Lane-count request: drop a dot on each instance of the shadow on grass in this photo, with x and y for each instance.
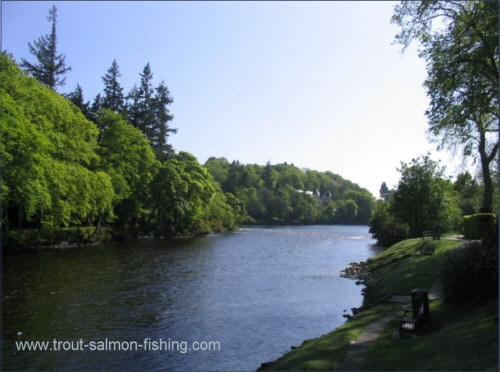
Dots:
(446, 343)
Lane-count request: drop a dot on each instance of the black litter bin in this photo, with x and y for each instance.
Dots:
(420, 296)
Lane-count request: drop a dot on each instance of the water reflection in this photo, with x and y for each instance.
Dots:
(257, 291)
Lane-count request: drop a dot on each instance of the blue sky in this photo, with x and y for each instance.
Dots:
(316, 84)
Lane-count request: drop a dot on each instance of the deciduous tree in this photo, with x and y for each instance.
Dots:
(462, 65)
(424, 199)
(49, 161)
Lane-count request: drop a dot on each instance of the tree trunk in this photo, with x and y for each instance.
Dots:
(488, 185)
(97, 228)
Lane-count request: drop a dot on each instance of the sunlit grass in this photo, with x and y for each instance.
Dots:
(402, 267)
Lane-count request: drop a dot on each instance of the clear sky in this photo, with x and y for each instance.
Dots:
(316, 84)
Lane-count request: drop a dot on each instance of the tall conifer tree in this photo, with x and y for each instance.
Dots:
(148, 112)
(77, 98)
(51, 66)
(113, 92)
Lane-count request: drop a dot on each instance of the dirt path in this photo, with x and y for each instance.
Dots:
(355, 357)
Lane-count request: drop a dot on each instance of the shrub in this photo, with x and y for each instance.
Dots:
(385, 228)
(478, 225)
(470, 275)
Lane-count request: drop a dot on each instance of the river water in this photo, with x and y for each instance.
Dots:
(249, 295)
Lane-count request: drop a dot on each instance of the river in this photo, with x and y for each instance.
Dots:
(249, 295)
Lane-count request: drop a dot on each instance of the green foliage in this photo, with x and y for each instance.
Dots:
(385, 228)
(423, 199)
(222, 213)
(113, 92)
(49, 157)
(148, 111)
(470, 193)
(470, 275)
(346, 210)
(127, 157)
(462, 67)
(364, 205)
(180, 192)
(77, 98)
(477, 226)
(61, 170)
(283, 194)
(218, 168)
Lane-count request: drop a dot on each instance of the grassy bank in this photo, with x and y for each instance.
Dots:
(402, 267)
(454, 339)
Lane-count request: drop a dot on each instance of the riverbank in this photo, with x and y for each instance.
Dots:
(75, 237)
(455, 339)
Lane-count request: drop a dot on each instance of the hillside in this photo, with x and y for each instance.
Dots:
(285, 194)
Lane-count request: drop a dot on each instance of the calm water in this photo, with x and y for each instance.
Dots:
(256, 292)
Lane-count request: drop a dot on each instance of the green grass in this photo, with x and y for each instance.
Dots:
(402, 268)
(325, 352)
(455, 341)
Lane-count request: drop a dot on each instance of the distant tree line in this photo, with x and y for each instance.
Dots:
(285, 194)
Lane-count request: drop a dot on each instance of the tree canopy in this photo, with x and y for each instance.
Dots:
(462, 65)
(60, 169)
(424, 200)
(50, 166)
(285, 194)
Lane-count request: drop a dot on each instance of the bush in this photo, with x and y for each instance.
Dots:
(470, 275)
(478, 225)
(385, 228)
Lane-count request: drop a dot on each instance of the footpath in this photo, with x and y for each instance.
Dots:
(355, 357)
